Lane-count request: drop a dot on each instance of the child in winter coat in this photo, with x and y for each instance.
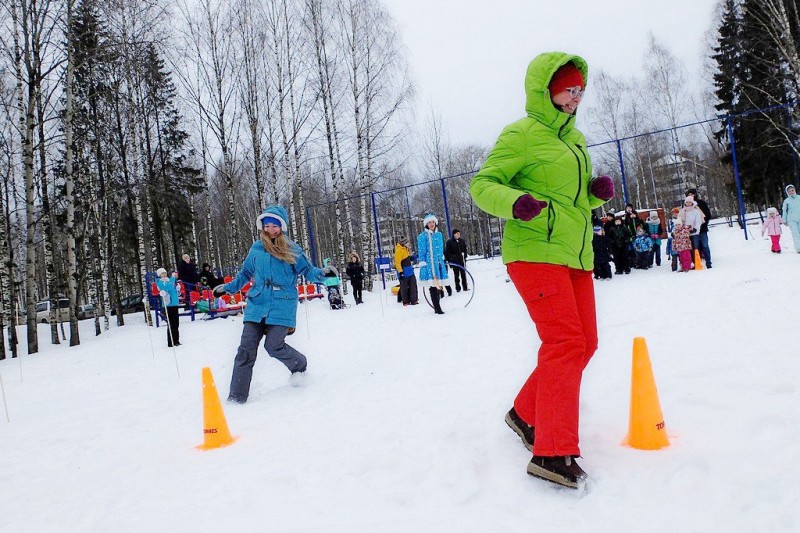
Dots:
(772, 227)
(791, 214)
(405, 272)
(654, 229)
(642, 246)
(602, 254)
(168, 291)
(671, 253)
(694, 218)
(355, 271)
(682, 244)
(274, 264)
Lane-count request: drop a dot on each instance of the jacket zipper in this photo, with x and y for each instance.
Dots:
(577, 192)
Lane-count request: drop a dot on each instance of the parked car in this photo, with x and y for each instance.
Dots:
(130, 304)
(85, 311)
(43, 311)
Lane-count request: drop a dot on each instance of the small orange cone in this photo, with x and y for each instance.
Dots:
(215, 428)
(646, 429)
(698, 265)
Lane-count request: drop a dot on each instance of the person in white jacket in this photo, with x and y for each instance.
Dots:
(694, 218)
(791, 214)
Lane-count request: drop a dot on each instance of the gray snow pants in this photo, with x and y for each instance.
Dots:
(248, 350)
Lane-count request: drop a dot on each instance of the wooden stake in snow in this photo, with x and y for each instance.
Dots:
(19, 354)
(5, 405)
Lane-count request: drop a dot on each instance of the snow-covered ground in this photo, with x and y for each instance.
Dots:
(400, 427)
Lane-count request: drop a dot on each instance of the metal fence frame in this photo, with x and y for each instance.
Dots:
(618, 142)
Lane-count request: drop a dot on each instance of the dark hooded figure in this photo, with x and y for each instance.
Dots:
(455, 251)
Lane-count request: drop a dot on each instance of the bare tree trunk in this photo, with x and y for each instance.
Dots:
(47, 229)
(6, 276)
(252, 43)
(215, 258)
(27, 127)
(72, 260)
(314, 8)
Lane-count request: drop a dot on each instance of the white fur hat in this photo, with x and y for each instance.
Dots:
(161, 272)
(689, 200)
(430, 217)
(772, 211)
(653, 214)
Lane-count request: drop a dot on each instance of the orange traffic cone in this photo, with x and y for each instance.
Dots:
(215, 428)
(646, 430)
(698, 265)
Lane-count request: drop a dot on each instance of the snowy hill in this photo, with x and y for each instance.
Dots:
(400, 427)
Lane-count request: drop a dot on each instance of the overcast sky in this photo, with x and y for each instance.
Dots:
(468, 57)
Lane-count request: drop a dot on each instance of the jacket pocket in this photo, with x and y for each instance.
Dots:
(284, 294)
(255, 291)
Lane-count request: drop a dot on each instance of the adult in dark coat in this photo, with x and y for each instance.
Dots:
(618, 236)
(207, 277)
(705, 251)
(355, 271)
(455, 251)
(632, 223)
(608, 221)
(187, 272)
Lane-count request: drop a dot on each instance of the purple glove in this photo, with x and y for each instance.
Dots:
(527, 207)
(602, 187)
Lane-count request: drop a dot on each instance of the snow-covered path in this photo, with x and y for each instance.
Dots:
(400, 427)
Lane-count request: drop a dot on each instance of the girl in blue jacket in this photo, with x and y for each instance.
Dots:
(433, 269)
(168, 291)
(273, 263)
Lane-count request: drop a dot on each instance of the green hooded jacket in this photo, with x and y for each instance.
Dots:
(545, 155)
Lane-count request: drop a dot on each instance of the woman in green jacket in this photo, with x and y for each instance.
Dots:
(539, 177)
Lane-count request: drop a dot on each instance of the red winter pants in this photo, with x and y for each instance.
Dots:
(561, 303)
(776, 243)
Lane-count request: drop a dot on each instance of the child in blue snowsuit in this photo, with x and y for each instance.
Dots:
(433, 268)
(654, 229)
(642, 246)
(274, 264)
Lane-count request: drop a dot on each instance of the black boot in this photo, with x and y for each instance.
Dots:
(435, 301)
(561, 470)
(449, 290)
(525, 432)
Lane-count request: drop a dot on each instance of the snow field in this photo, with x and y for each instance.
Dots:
(400, 426)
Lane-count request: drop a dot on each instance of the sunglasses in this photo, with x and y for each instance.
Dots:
(575, 92)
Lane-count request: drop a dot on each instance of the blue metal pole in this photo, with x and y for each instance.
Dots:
(622, 169)
(311, 237)
(791, 141)
(736, 176)
(446, 209)
(377, 239)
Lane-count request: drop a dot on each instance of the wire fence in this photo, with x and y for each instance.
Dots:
(650, 170)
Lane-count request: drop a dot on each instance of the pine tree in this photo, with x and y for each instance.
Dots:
(752, 76)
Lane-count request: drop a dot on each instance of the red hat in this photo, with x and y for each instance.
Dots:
(566, 76)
